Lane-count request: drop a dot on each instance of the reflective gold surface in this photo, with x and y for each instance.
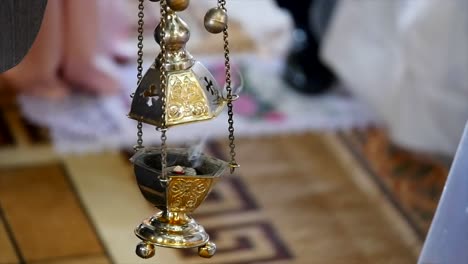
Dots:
(180, 91)
(193, 95)
(177, 34)
(172, 230)
(145, 250)
(186, 101)
(208, 250)
(178, 5)
(185, 194)
(180, 195)
(216, 20)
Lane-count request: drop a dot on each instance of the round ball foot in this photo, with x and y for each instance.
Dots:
(145, 250)
(208, 250)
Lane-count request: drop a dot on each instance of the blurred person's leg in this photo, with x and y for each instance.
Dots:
(82, 50)
(304, 69)
(115, 25)
(37, 73)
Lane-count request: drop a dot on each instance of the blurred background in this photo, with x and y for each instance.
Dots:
(349, 118)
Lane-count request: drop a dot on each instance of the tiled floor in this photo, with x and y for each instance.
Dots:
(7, 249)
(44, 214)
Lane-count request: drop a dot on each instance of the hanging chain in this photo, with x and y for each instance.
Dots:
(141, 23)
(163, 83)
(227, 64)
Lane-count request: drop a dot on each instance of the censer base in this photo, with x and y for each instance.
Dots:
(172, 230)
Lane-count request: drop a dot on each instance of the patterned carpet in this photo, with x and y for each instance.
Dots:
(412, 182)
(309, 198)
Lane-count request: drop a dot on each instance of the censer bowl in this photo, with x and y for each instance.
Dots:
(181, 194)
(147, 167)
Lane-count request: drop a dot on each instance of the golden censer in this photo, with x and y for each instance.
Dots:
(175, 90)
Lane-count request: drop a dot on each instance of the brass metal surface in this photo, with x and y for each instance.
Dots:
(172, 230)
(216, 20)
(189, 94)
(192, 95)
(145, 250)
(180, 195)
(178, 5)
(208, 250)
(176, 36)
(186, 101)
(187, 193)
(177, 90)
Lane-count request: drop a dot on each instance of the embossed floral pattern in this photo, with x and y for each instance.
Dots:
(186, 194)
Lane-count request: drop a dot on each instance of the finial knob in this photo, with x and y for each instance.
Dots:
(177, 33)
(176, 36)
